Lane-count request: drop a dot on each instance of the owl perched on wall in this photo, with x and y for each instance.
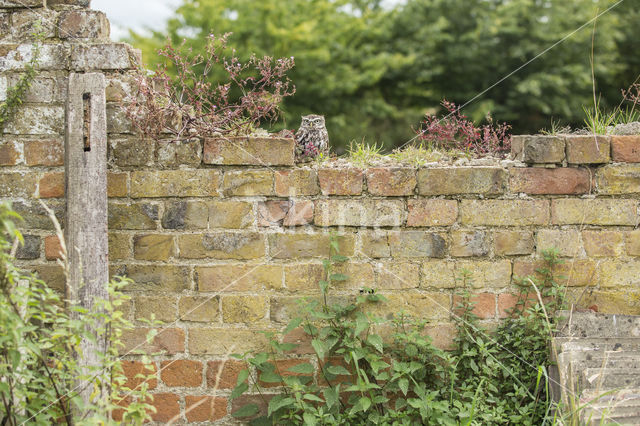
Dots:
(312, 138)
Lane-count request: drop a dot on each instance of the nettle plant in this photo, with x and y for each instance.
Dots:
(40, 362)
(209, 94)
(456, 132)
(356, 377)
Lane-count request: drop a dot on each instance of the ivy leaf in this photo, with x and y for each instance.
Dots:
(246, 411)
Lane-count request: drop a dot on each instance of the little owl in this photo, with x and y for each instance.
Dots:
(312, 138)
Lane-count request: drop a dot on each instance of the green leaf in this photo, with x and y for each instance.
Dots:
(362, 323)
(338, 370)
(270, 377)
(376, 341)
(339, 277)
(279, 401)
(242, 376)
(339, 258)
(312, 397)
(246, 411)
(293, 324)
(309, 419)
(331, 396)
(403, 384)
(305, 368)
(239, 390)
(320, 347)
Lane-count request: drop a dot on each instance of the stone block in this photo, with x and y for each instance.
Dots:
(462, 180)
(185, 215)
(619, 273)
(78, 3)
(205, 408)
(48, 152)
(23, 24)
(10, 4)
(153, 247)
(51, 185)
(153, 278)
(117, 184)
(199, 309)
(504, 212)
(417, 244)
(513, 242)
(341, 181)
(174, 183)
(485, 273)
(222, 245)
(137, 216)
(244, 309)
(567, 242)
(594, 212)
(386, 181)
(230, 214)
(365, 212)
(248, 182)
(220, 341)
(588, 149)
(432, 212)
(291, 246)
(538, 149)
(297, 182)
(397, 276)
(9, 155)
(438, 274)
(53, 276)
(468, 243)
(16, 57)
(35, 217)
(117, 120)
(36, 120)
(618, 179)
(172, 154)
(30, 250)
(239, 278)
(43, 89)
(255, 151)
(541, 181)
(625, 149)
(119, 246)
(126, 152)
(603, 243)
(83, 24)
(632, 243)
(17, 184)
(161, 308)
(107, 56)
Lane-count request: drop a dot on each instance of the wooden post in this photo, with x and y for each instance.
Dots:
(86, 215)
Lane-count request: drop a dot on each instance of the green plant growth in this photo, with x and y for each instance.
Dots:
(358, 378)
(39, 363)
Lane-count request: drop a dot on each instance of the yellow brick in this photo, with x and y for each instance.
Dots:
(163, 308)
(632, 243)
(496, 274)
(619, 179)
(417, 304)
(504, 212)
(153, 247)
(566, 241)
(248, 182)
(225, 341)
(513, 242)
(119, 246)
(222, 245)
(593, 212)
(175, 183)
(287, 246)
(244, 309)
(397, 275)
(617, 274)
(603, 243)
(303, 278)
(235, 278)
(199, 308)
(438, 274)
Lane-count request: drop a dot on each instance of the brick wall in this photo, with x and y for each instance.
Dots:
(223, 236)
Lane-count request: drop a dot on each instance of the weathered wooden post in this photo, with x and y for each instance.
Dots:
(86, 215)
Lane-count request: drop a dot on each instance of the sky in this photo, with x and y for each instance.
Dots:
(135, 14)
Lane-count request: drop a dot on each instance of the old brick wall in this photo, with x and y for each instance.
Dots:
(223, 236)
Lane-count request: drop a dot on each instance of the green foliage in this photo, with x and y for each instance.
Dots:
(39, 342)
(358, 378)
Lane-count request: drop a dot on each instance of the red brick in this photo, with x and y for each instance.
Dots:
(298, 337)
(8, 154)
(341, 181)
(205, 408)
(335, 361)
(132, 369)
(167, 407)
(181, 373)
(391, 181)
(44, 153)
(282, 366)
(538, 181)
(432, 212)
(52, 185)
(52, 248)
(484, 305)
(508, 301)
(300, 213)
(262, 401)
(227, 371)
(626, 148)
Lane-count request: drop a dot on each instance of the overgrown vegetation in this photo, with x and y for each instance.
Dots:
(40, 366)
(358, 378)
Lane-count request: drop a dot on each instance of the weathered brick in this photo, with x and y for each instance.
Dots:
(167, 406)
(572, 273)
(175, 183)
(593, 212)
(155, 277)
(285, 246)
(375, 243)
(609, 302)
(53, 275)
(205, 408)
(511, 243)
(220, 341)
(303, 278)
(301, 339)
(432, 212)
(372, 213)
(51, 185)
(397, 275)
(261, 401)
(36, 120)
(462, 180)
(179, 153)
(153, 247)
(181, 373)
(222, 245)
(21, 3)
(18, 184)
(162, 308)
(632, 243)
(619, 179)
(117, 184)
(566, 241)
(199, 308)
(507, 302)
(486, 274)
(230, 214)
(417, 244)
(80, 3)
(249, 151)
(244, 309)
(538, 180)
(132, 216)
(108, 56)
(248, 182)
(538, 149)
(341, 181)
(8, 153)
(224, 374)
(52, 248)
(91, 24)
(297, 182)
(117, 120)
(442, 335)
(484, 305)
(119, 246)
(185, 215)
(438, 274)
(24, 24)
(167, 340)
(232, 278)
(300, 213)
(284, 309)
(588, 149)
(468, 243)
(618, 273)
(30, 249)
(133, 370)
(603, 243)
(391, 181)
(53, 56)
(504, 212)
(417, 304)
(625, 148)
(34, 215)
(131, 151)
(44, 152)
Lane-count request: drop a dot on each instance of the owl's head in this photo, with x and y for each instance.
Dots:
(315, 121)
